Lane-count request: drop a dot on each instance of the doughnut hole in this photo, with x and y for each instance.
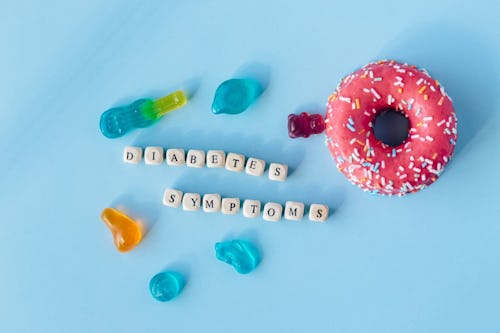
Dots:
(391, 127)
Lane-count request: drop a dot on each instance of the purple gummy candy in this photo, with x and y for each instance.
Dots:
(304, 124)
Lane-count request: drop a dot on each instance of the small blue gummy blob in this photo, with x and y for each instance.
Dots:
(240, 254)
(236, 95)
(165, 286)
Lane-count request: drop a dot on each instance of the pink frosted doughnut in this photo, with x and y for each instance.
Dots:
(373, 165)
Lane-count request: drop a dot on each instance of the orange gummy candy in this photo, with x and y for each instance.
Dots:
(126, 232)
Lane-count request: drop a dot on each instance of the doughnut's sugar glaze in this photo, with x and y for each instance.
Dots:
(368, 162)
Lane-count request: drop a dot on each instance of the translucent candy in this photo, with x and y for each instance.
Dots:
(305, 124)
(166, 285)
(236, 95)
(240, 254)
(126, 232)
(118, 121)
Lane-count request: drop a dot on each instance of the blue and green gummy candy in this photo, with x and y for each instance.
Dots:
(118, 121)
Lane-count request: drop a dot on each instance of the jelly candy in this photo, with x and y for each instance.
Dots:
(126, 232)
(144, 112)
(240, 254)
(236, 95)
(305, 124)
(165, 286)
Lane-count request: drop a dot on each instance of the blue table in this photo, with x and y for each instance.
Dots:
(428, 262)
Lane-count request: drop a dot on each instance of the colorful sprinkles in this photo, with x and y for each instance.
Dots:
(371, 164)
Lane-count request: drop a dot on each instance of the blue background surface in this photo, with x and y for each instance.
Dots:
(428, 262)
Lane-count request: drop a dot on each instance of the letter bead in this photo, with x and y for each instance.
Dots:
(216, 159)
(132, 155)
(294, 211)
(272, 212)
(176, 157)
(278, 172)
(172, 198)
(318, 213)
(251, 208)
(153, 155)
(191, 201)
(255, 167)
(211, 203)
(195, 158)
(235, 162)
(230, 206)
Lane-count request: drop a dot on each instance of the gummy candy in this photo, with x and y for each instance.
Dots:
(236, 95)
(144, 112)
(305, 124)
(240, 254)
(126, 232)
(165, 286)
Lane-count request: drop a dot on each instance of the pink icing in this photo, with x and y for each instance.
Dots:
(369, 163)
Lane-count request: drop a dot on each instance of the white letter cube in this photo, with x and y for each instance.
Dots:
(195, 158)
(132, 155)
(235, 162)
(230, 206)
(272, 212)
(318, 213)
(172, 198)
(294, 211)
(191, 201)
(251, 208)
(153, 155)
(211, 203)
(216, 159)
(278, 172)
(255, 167)
(176, 157)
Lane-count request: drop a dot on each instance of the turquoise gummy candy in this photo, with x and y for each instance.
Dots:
(118, 121)
(236, 95)
(144, 112)
(166, 285)
(242, 255)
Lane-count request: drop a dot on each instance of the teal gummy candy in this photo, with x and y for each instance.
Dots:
(240, 254)
(118, 121)
(236, 95)
(165, 286)
(144, 112)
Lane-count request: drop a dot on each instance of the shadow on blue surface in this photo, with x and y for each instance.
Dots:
(262, 189)
(145, 212)
(189, 86)
(255, 70)
(255, 146)
(311, 108)
(462, 62)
